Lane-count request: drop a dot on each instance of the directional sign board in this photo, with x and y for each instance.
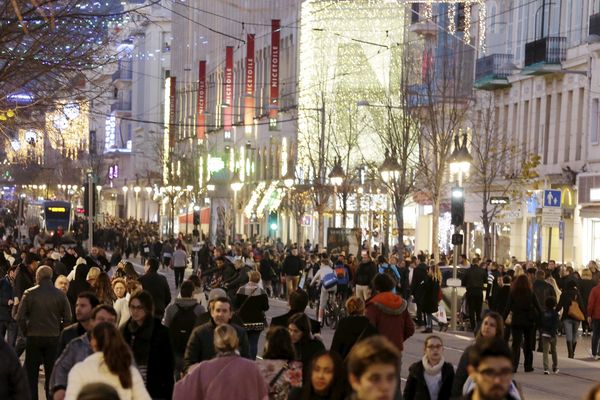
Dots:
(552, 198)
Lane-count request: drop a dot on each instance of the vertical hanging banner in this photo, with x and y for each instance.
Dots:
(228, 93)
(249, 95)
(274, 98)
(172, 111)
(201, 102)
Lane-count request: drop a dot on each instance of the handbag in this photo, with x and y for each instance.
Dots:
(575, 312)
(508, 320)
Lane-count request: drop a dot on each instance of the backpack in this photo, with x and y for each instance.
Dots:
(341, 273)
(181, 327)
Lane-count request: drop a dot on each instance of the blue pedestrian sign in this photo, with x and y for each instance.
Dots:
(552, 198)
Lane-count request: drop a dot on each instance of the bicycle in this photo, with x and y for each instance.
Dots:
(334, 310)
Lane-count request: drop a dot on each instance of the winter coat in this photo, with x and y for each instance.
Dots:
(212, 379)
(566, 297)
(542, 290)
(550, 323)
(159, 289)
(416, 386)
(251, 302)
(282, 320)
(200, 346)
(23, 280)
(499, 299)
(292, 265)
(349, 330)
(585, 288)
(6, 294)
(526, 311)
(593, 304)
(416, 285)
(13, 380)
(43, 310)
(71, 332)
(431, 295)
(94, 370)
(76, 351)
(365, 273)
(388, 313)
(151, 346)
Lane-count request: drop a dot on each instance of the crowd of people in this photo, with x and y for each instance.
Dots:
(97, 325)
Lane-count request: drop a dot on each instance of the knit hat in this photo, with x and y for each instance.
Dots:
(215, 294)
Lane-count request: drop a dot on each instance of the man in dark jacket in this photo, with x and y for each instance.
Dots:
(365, 273)
(419, 275)
(157, 286)
(292, 268)
(475, 280)
(25, 275)
(41, 314)
(86, 301)
(13, 381)
(200, 346)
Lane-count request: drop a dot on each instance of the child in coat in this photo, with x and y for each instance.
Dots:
(550, 325)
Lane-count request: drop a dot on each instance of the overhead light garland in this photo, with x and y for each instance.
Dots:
(68, 128)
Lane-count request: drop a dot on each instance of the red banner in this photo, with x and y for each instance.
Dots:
(201, 102)
(228, 93)
(172, 111)
(249, 95)
(274, 100)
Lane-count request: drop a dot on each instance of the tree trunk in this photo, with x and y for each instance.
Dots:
(299, 237)
(400, 222)
(487, 237)
(320, 225)
(435, 229)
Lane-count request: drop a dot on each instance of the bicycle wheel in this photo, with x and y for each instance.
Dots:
(329, 315)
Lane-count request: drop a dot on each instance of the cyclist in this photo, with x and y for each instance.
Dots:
(328, 279)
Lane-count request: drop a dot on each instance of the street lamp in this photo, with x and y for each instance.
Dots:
(136, 190)
(390, 172)
(460, 163)
(289, 178)
(236, 185)
(336, 177)
(99, 189)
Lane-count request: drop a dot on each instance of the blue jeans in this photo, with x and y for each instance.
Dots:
(571, 328)
(253, 337)
(430, 318)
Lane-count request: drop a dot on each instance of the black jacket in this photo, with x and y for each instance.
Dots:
(43, 310)
(13, 380)
(200, 345)
(499, 299)
(6, 294)
(365, 273)
(160, 362)
(526, 310)
(416, 387)
(431, 290)
(566, 297)
(542, 290)
(418, 278)
(292, 265)
(475, 277)
(349, 331)
(71, 332)
(159, 289)
(23, 280)
(252, 308)
(282, 320)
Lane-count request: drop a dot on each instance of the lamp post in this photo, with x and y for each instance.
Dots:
(336, 177)
(390, 172)
(460, 163)
(136, 190)
(99, 189)
(236, 185)
(125, 190)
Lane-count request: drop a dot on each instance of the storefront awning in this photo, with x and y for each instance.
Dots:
(189, 218)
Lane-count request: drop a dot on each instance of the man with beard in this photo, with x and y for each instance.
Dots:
(491, 370)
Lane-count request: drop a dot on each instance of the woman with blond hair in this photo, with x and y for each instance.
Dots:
(353, 328)
(431, 297)
(209, 379)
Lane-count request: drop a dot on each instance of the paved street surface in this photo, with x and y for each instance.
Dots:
(576, 376)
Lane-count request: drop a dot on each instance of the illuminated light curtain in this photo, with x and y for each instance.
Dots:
(67, 128)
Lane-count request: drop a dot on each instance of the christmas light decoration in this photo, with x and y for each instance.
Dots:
(27, 147)
(67, 128)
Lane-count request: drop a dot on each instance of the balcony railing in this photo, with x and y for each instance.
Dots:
(122, 74)
(548, 50)
(120, 105)
(595, 24)
(494, 66)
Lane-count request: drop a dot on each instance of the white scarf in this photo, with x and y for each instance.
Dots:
(432, 370)
(433, 377)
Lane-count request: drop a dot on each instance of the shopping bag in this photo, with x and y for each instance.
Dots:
(441, 314)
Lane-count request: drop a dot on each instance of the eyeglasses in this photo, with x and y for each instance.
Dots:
(491, 373)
